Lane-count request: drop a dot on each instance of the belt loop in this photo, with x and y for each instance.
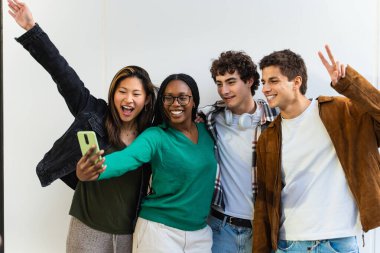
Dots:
(224, 221)
(316, 243)
(363, 238)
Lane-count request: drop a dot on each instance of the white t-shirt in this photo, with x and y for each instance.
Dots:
(316, 200)
(235, 149)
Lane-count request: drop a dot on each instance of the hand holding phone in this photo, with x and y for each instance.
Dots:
(87, 139)
(87, 168)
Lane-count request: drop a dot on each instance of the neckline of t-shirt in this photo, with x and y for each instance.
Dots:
(302, 115)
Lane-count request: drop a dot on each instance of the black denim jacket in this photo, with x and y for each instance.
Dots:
(89, 112)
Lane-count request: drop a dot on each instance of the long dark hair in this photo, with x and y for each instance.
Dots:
(159, 114)
(144, 119)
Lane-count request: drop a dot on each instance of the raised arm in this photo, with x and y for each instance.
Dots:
(36, 41)
(351, 84)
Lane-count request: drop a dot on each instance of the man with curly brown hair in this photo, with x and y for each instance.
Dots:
(235, 122)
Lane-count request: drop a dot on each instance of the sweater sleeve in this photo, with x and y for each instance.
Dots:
(141, 151)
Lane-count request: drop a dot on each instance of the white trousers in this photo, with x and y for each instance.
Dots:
(153, 237)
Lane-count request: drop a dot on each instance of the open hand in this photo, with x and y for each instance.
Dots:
(21, 13)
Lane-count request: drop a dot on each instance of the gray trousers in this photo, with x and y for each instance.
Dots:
(83, 239)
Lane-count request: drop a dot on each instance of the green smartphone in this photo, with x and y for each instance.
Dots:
(87, 139)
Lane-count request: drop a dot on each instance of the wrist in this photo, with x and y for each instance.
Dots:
(29, 26)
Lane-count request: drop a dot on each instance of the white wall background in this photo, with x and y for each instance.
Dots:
(167, 36)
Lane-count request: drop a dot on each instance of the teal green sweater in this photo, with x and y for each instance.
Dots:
(183, 175)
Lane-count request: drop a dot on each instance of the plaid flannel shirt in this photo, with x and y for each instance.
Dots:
(209, 113)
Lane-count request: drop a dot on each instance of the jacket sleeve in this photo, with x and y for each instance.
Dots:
(363, 94)
(69, 85)
(261, 225)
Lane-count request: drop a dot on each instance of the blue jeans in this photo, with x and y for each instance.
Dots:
(229, 238)
(338, 245)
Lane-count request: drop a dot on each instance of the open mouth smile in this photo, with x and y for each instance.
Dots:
(127, 110)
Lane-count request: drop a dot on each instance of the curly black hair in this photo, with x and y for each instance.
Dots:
(231, 61)
(291, 65)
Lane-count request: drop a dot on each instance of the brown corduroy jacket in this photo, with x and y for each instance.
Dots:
(353, 124)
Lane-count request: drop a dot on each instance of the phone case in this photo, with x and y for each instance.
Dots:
(86, 140)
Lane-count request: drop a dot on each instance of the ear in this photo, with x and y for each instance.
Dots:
(147, 100)
(297, 83)
(249, 82)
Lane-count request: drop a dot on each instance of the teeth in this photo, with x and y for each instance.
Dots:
(127, 107)
(176, 112)
(270, 97)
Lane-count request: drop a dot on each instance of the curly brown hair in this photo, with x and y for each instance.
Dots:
(231, 61)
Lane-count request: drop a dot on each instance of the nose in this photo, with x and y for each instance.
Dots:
(224, 89)
(175, 101)
(128, 98)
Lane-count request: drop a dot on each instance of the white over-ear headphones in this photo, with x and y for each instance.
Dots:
(245, 120)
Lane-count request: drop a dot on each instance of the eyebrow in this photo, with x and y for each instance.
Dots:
(273, 78)
(227, 80)
(179, 94)
(231, 79)
(120, 87)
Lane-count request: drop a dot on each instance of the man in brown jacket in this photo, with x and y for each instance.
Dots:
(318, 162)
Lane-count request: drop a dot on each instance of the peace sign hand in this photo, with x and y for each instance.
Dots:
(335, 68)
